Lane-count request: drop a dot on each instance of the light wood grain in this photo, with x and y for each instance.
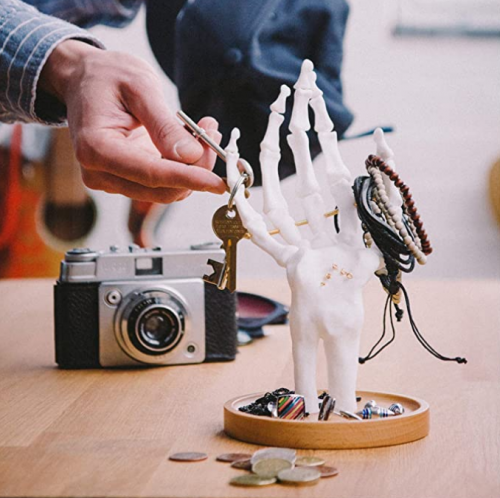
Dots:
(109, 432)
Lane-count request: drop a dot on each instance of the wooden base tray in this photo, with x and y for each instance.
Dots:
(337, 432)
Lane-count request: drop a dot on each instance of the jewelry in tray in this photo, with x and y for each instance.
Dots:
(286, 405)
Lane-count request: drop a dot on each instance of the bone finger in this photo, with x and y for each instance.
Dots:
(307, 185)
(386, 154)
(275, 206)
(232, 155)
(246, 211)
(300, 112)
(336, 170)
(383, 150)
(322, 121)
(338, 175)
(279, 105)
(250, 218)
(304, 80)
(273, 198)
(340, 182)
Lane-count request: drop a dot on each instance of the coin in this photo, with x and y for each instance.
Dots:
(309, 461)
(267, 453)
(327, 471)
(188, 457)
(299, 476)
(252, 480)
(232, 457)
(270, 467)
(242, 464)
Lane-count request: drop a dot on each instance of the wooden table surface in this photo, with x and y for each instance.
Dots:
(109, 432)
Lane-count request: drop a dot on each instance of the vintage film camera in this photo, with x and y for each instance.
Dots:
(141, 307)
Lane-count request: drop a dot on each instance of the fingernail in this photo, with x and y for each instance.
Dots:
(187, 148)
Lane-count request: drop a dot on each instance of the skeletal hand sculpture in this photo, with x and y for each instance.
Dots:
(326, 273)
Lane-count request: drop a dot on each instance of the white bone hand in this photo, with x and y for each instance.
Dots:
(326, 272)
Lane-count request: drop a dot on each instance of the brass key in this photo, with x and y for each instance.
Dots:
(228, 227)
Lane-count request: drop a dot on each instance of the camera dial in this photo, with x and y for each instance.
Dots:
(151, 324)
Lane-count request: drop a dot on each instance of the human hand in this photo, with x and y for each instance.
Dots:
(125, 137)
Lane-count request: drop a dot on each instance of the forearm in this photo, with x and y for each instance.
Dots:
(27, 39)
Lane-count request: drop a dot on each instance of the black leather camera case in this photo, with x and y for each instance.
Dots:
(76, 316)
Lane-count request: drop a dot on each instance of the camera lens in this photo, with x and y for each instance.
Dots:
(158, 328)
(155, 324)
(152, 323)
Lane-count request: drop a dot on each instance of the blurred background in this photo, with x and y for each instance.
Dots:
(429, 68)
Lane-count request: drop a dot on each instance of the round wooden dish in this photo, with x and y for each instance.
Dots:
(337, 432)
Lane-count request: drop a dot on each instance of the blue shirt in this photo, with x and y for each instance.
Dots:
(28, 35)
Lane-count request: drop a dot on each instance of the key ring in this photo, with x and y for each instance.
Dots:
(241, 180)
(199, 133)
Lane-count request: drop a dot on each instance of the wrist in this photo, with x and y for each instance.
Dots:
(61, 66)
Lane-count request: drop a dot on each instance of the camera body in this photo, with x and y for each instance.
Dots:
(141, 307)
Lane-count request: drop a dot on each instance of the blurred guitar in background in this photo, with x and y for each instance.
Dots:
(44, 207)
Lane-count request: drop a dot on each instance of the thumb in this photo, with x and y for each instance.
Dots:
(169, 136)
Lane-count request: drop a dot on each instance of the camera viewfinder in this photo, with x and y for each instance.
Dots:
(148, 266)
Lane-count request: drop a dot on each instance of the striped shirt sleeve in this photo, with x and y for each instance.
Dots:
(27, 38)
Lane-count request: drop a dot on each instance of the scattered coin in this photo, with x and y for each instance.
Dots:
(270, 467)
(233, 457)
(281, 453)
(188, 457)
(327, 471)
(299, 476)
(242, 464)
(309, 461)
(252, 480)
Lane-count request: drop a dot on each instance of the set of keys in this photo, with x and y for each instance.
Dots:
(228, 227)
(226, 221)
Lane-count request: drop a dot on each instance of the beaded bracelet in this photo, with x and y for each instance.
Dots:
(376, 164)
(393, 217)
